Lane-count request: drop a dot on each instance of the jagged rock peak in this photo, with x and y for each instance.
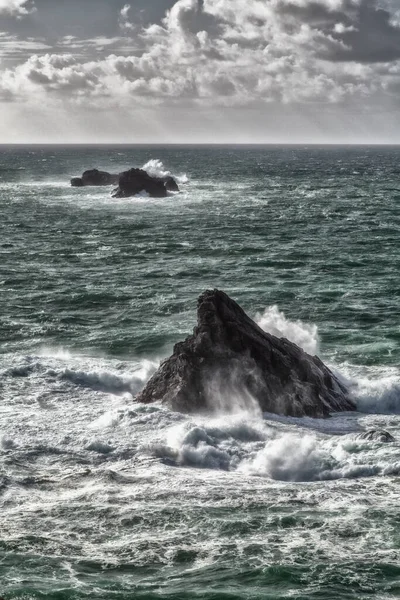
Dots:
(229, 362)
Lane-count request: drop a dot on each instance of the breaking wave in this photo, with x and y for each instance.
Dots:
(304, 335)
(156, 168)
(260, 448)
(375, 390)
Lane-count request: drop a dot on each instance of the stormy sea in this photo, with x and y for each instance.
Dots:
(102, 497)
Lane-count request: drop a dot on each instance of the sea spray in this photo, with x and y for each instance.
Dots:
(304, 335)
(156, 168)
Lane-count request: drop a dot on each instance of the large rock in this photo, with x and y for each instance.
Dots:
(137, 181)
(130, 183)
(229, 362)
(95, 177)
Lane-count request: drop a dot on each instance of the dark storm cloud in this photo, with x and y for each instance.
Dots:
(82, 18)
(365, 29)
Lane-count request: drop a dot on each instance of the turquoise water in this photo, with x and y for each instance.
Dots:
(95, 291)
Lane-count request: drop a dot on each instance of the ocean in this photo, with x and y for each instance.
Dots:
(94, 293)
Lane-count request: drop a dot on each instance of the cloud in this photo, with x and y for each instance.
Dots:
(13, 47)
(124, 21)
(16, 8)
(206, 54)
(365, 30)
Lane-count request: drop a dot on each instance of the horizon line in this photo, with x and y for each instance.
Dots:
(327, 144)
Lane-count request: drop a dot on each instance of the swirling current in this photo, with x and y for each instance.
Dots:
(104, 498)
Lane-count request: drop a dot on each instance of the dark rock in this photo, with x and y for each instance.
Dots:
(230, 362)
(95, 177)
(376, 435)
(136, 181)
(130, 182)
(77, 182)
(170, 184)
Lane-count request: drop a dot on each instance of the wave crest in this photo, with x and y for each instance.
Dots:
(155, 167)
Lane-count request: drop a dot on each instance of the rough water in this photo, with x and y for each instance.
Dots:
(103, 498)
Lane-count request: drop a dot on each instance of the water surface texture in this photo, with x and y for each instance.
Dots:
(102, 498)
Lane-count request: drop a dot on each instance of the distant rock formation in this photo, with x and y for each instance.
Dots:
(376, 435)
(130, 183)
(230, 357)
(77, 182)
(95, 177)
(137, 181)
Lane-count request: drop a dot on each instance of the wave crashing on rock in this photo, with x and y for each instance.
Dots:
(230, 363)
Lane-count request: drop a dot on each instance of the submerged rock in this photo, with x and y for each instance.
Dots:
(230, 362)
(376, 435)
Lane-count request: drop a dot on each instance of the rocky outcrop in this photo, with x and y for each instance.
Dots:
(130, 183)
(95, 177)
(230, 360)
(77, 182)
(170, 183)
(137, 181)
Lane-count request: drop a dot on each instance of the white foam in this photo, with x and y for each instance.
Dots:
(288, 458)
(304, 335)
(378, 392)
(218, 443)
(156, 168)
(106, 420)
(57, 353)
(291, 457)
(274, 450)
(108, 381)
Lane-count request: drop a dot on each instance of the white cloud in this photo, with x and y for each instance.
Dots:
(124, 21)
(13, 47)
(247, 53)
(16, 7)
(232, 54)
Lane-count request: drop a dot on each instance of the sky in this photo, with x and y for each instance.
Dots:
(200, 71)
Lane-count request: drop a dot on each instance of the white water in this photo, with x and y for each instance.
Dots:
(93, 399)
(302, 334)
(89, 475)
(156, 168)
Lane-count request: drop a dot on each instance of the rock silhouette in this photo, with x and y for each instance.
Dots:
(137, 181)
(130, 183)
(95, 177)
(230, 361)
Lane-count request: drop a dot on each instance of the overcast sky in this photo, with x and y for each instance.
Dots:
(200, 71)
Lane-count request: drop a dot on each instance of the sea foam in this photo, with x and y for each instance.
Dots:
(156, 168)
(302, 334)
